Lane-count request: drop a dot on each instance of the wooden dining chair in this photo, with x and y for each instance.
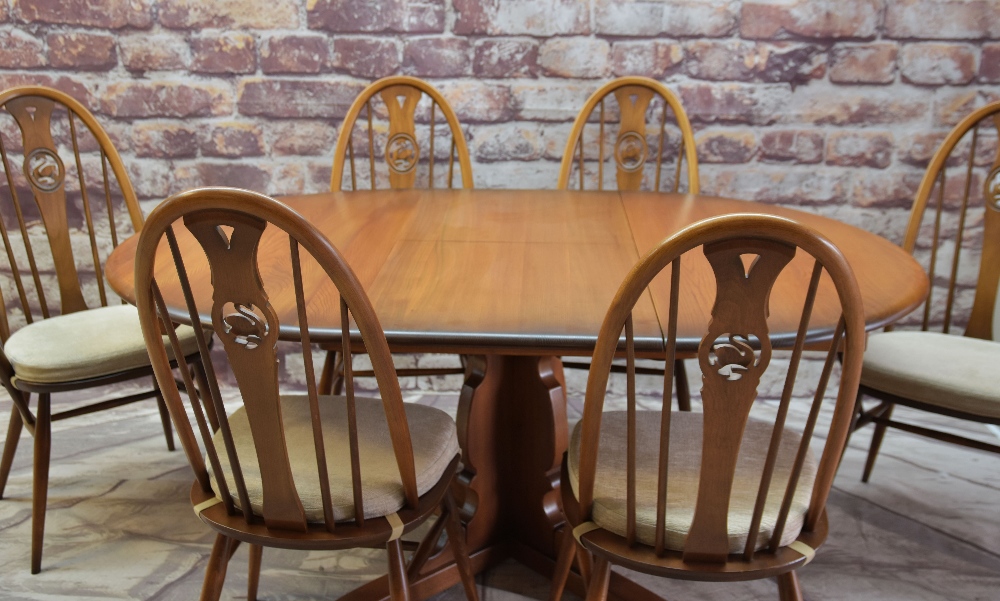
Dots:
(67, 202)
(731, 493)
(934, 369)
(289, 470)
(632, 115)
(402, 138)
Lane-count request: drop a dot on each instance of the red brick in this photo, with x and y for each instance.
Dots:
(864, 63)
(859, 149)
(294, 54)
(872, 106)
(359, 16)
(522, 17)
(83, 51)
(808, 18)
(884, 189)
(795, 146)
(367, 57)
(296, 138)
(779, 185)
(62, 83)
(989, 65)
(700, 18)
(951, 106)
(437, 57)
(296, 98)
(518, 142)
(108, 14)
(612, 17)
(228, 52)
(935, 63)
(942, 19)
(744, 61)
(553, 100)
(164, 140)
(226, 14)
(21, 50)
(152, 178)
(4, 13)
(759, 104)
(651, 58)
(726, 146)
(917, 149)
(506, 57)
(476, 101)
(239, 175)
(165, 99)
(575, 57)
(157, 52)
(234, 139)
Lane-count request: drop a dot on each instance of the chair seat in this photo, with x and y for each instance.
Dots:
(82, 345)
(435, 444)
(682, 484)
(944, 370)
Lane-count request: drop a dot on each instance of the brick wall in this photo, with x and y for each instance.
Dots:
(833, 104)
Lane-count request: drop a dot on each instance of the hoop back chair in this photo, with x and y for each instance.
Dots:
(721, 495)
(932, 369)
(62, 331)
(402, 131)
(631, 122)
(300, 471)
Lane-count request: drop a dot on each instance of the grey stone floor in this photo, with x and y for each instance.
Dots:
(120, 526)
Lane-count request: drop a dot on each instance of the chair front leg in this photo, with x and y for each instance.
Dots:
(877, 437)
(599, 581)
(218, 562)
(10, 446)
(567, 553)
(788, 587)
(40, 486)
(456, 536)
(253, 572)
(399, 588)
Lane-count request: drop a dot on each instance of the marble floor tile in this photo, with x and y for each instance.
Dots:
(120, 526)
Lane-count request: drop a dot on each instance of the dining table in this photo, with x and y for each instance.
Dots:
(513, 280)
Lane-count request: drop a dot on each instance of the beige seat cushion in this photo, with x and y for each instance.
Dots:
(435, 444)
(944, 370)
(85, 344)
(682, 484)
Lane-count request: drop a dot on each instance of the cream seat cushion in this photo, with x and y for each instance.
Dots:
(954, 372)
(682, 483)
(85, 344)
(435, 444)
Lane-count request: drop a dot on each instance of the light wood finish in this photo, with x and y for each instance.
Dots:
(633, 96)
(962, 152)
(402, 154)
(747, 253)
(60, 139)
(512, 278)
(630, 116)
(227, 225)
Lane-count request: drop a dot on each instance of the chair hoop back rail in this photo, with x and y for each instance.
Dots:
(634, 98)
(262, 440)
(747, 253)
(402, 151)
(943, 210)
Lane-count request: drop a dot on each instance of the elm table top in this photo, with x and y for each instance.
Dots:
(531, 272)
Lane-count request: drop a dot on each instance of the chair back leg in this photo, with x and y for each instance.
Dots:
(877, 437)
(456, 536)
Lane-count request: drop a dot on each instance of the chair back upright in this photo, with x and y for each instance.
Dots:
(942, 230)
(229, 226)
(632, 131)
(62, 177)
(401, 127)
(746, 253)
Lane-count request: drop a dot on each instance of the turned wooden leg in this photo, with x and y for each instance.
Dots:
(40, 487)
(10, 446)
(456, 536)
(599, 581)
(399, 588)
(205, 394)
(567, 552)
(877, 437)
(788, 587)
(253, 573)
(683, 390)
(327, 374)
(215, 572)
(168, 430)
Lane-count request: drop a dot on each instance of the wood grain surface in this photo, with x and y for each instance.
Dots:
(533, 272)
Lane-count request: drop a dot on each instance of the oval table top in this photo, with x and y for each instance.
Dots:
(529, 272)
